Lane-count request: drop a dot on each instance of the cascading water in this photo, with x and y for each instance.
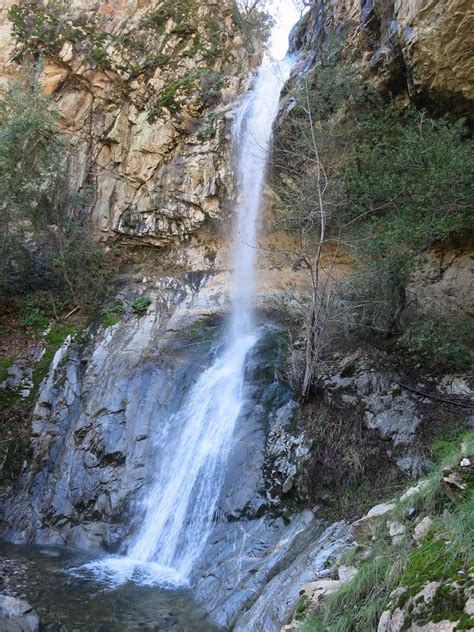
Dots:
(182, 501)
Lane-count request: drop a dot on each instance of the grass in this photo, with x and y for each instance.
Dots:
(446, 555)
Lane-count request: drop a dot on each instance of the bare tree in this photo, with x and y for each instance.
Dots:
(304, 162)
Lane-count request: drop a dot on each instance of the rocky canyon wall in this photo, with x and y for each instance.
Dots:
(142, 90)
(421, 48)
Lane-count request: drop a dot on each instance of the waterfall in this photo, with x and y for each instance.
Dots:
(182, 501)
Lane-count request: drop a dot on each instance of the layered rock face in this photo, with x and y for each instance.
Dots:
(418, 47)
(142, 91)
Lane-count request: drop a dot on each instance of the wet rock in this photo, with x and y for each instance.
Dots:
(17, 615)
(285, 455)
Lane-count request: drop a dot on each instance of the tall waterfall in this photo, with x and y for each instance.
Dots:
(180, 506)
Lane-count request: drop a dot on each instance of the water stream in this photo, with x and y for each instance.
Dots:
(179, 507)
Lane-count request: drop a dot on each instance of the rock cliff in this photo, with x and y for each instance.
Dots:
(142, 91)
(419, 48)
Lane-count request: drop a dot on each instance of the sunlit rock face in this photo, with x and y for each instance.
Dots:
(418, 47)
(143, 90)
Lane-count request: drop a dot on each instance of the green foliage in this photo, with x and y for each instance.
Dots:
(442, 344)
(409, 184)
(112, 313)
(29, 163)
(140, 305)
(172, 30)
(254, 22)
(44, 248)
(203, 82)
(34, 318)
(301, 608)
(392, 182)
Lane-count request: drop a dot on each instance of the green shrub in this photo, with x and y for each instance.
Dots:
(442, 344)
(45, 250)
(393, 181)
(34, 318)
(140, 305)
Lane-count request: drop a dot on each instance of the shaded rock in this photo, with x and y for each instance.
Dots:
(17, 615)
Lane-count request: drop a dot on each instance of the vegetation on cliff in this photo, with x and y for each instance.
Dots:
(377, 178)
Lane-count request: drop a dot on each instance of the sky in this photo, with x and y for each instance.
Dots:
(286, 15)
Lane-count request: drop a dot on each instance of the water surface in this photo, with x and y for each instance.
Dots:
(67, 603)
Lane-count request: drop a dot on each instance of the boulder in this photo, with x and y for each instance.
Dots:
(422, 529)
(317, 592)
(365, 526)
(17, 615)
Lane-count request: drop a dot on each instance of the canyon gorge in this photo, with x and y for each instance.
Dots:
(170, 471)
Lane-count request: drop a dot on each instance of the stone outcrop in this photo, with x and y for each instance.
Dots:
(142, 91)
(417, 613)
(16, 615)
(420, 48)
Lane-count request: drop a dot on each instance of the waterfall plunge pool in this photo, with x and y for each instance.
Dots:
(68, 603)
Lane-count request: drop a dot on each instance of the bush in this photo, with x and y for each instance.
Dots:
(140, 305)
(440, 344)
(391, 182)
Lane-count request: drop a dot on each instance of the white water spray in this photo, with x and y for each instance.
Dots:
(180, 506)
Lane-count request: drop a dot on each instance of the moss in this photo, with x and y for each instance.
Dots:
(53, 341)
(112, 313)
(5, 364)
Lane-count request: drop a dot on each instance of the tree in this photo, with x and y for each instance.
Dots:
(43, 243)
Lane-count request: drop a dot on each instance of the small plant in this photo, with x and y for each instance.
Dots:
(112, 313)
(34, 318)
(140, 305)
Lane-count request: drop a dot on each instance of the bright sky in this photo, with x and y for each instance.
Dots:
(286, 16)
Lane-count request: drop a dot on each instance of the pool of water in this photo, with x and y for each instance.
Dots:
(68, 602)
